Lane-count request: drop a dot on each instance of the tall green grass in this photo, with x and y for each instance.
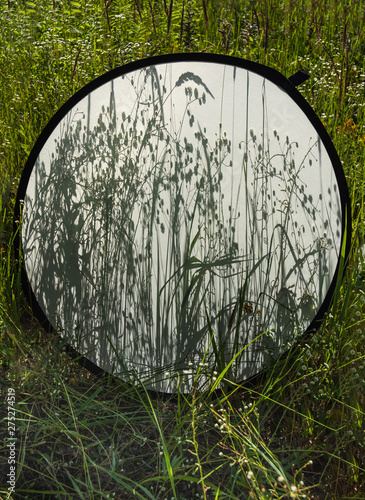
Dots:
(299, 432)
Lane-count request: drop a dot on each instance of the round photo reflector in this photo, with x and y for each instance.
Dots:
(182, 212)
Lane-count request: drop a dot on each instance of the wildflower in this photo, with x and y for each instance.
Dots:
(281, 479)
(249, 474)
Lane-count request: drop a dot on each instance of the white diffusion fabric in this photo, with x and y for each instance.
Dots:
(179, 210)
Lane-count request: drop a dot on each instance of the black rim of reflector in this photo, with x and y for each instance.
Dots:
(265, 72)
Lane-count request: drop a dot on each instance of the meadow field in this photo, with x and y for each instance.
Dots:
(299, 431)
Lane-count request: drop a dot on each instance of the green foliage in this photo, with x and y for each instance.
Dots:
(298, 433)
